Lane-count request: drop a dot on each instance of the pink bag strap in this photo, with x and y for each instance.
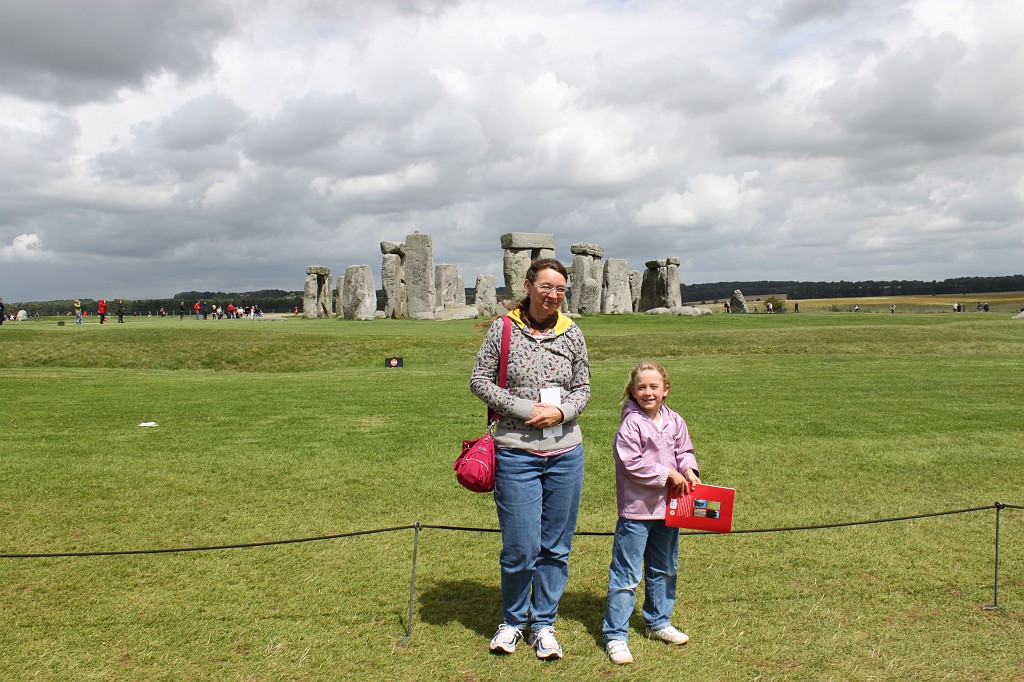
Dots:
(506, 340)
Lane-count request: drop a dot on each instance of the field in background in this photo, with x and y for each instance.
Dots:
(999, 302)
(292, 429)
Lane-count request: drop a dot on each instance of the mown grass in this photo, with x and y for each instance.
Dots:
(274, 430)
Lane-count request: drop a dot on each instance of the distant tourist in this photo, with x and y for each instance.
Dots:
(1, 311)
(892, 307)
(120, 311)
(78, 311)
(102, 310)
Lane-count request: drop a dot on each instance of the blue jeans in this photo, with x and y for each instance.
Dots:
(538, 499)
(656, 547)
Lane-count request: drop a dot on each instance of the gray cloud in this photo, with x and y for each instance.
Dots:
(227, 145)
(68, 52)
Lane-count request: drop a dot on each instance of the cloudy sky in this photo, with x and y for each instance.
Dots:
(156, 146)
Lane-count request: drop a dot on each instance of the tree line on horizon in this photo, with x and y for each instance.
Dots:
(279, 300)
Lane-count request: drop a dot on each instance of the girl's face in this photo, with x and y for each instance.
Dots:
(649, 391)
(546, 293)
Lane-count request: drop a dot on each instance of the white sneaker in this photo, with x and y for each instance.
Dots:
(618, 651)
(544, 642)
(668, 634)
(504, 640)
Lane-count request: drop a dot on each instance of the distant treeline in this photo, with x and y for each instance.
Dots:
(277, 300)
(843, 289)
(267, 300)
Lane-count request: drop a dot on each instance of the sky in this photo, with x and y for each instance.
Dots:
(157, 146)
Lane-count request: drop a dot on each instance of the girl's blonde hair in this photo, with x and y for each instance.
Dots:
(644, 366)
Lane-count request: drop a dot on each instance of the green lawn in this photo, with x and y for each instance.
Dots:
(293, 429)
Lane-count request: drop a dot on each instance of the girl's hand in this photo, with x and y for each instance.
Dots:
(691, 480)
(544, 416)
(676, 483)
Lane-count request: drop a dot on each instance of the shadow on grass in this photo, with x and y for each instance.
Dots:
(477, 607)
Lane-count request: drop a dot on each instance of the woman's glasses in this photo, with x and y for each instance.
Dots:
(548, 289)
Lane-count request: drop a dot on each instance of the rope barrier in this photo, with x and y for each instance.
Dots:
(268, 543)
(418, 526)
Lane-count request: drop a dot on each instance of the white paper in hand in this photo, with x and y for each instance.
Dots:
(552, 396)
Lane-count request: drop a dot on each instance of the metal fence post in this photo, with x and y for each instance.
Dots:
(995, 586)
(412, 581)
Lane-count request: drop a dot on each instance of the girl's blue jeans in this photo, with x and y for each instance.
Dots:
(641, 548)
(538, 499)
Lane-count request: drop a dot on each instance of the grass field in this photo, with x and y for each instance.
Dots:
(294, 429)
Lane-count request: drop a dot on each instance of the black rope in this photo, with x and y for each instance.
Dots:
(418, 525)
(841, 524)
(48, 555)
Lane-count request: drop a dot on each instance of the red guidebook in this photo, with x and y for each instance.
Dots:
(708, 507)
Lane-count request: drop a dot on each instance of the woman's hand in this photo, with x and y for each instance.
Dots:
(544, 416)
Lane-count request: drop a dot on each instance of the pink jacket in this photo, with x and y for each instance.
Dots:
(644, 454)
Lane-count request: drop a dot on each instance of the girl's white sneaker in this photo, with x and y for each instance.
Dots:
(618, 652)
(668, 634)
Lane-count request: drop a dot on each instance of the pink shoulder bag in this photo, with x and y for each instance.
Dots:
(474, 468)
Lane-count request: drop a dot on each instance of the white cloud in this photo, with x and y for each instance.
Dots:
(173, 143)
(25, 248)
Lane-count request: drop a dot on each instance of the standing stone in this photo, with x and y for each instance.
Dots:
(460, 295)
(419, 276)
(316, 294)
(616, 297)
(675, 292)
(339, 297)
(514, 267)
(309, 295)
(590, 299)
(586, 267)
(660, 285)
(391, 283)
(486, 296)
(737, 303)
(521, 249)
(393, 280)
(446, 286)
(360, 302)
(654, 288)
(635, 279)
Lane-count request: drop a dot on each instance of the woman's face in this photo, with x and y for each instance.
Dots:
(546, 293)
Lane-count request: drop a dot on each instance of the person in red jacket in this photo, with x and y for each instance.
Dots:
(102, 310)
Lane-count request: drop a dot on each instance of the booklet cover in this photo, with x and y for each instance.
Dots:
(708, 507)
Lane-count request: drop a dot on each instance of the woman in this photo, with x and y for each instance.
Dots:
(539, 459)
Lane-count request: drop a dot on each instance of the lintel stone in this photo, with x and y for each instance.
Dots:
(585, 249)
(397, 248)
(527, 240)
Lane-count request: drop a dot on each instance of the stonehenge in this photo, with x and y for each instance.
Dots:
(521, 249)
(616, 295)
(419, 276)
(659, 287)
(360, 294)
(316, 296)
(414, 288)
(586, 277)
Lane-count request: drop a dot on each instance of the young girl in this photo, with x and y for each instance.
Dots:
(653, 454)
